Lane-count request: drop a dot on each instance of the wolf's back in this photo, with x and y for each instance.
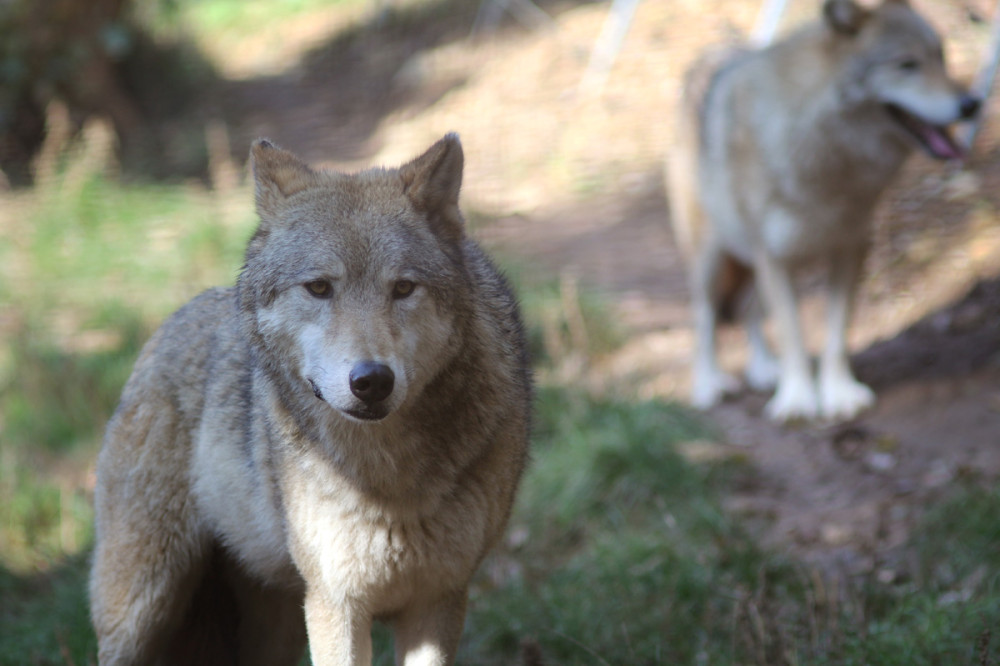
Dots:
(190, 342)
(182, 356)
(684, 159)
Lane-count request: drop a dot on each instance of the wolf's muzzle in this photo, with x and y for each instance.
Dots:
(372, 381)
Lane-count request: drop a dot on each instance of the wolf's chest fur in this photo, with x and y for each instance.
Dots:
(378, 547)
(378, 550)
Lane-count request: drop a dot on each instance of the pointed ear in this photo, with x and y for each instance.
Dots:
(277, 174)
(432, 182)
(845, 17)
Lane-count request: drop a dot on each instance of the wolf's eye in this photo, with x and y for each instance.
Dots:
(909, 64)
(403, 288)
(319, 288)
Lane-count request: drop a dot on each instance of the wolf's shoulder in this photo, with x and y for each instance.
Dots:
(182, 351)
(209, 315)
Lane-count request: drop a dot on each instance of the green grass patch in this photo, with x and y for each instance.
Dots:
(564, 320)
(44, 619)
(940, 610)
(90, 248)
(246, 16)
(88, 269)
(61, 399)
(673, 580)
(626, 554)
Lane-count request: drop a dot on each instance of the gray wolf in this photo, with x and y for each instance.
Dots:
(780, 158)
(343, 431)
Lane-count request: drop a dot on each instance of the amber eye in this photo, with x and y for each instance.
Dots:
(403, 288)
(319, 288)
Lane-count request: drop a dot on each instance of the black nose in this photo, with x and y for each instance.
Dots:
(372, 381)
(969, 106)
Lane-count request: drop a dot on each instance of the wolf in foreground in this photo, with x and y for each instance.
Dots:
(344, 429)
(780, 158)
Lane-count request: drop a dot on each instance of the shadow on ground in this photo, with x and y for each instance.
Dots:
(330, 105)
(959, 340)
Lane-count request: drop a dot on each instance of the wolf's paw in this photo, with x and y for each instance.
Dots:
(762, 372)
(844, 397)
(794, 400)
(711, 387)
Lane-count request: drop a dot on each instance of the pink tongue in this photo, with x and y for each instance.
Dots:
(940, 144)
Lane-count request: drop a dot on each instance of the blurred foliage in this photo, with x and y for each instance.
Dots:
(98, 58)
(88, 268)
(44, 619)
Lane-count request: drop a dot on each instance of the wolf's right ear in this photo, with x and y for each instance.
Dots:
(845, 16)
(432, 182)
(277, 174)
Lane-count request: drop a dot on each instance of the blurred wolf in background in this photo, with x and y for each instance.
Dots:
(343, 430)
(780, 158)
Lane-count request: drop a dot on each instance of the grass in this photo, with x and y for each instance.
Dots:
(567, 324)
(246, 16)
(89, 269)
(44, 618)
(622, 560)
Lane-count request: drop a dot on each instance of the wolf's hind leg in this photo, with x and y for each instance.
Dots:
(796, 396)
(234, 620)
(150, 553)
(710, 295)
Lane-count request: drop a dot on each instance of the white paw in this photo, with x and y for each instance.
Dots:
(794, 399)
(844, 397)
(711, 387)
(762, 372)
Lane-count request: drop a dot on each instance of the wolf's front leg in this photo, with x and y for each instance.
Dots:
(339, 635)
(841, 395)
(428, 634)
(151, 551)
(796, 395)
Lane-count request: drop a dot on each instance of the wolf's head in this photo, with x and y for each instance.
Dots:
(898, 63)
(353, 284)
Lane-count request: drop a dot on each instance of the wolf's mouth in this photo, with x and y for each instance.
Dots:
(368, 413)
(935, 139)
(315, 390)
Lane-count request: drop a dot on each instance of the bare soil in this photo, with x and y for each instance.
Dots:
(569, 181)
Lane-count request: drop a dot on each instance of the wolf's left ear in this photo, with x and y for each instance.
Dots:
(277, 174)
(432, 182)
(844, 16)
